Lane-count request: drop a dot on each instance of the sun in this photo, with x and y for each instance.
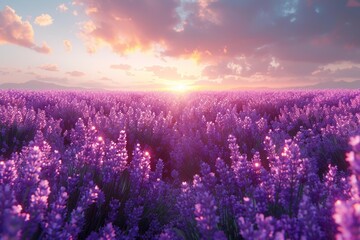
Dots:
(180, 88)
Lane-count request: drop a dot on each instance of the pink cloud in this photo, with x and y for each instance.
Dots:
(168, 73)
(67, 45)
(3, 72)
(338, 70)
(7, 71)
(128, 25)
(62, 7)
(216, 71)
(213, 30)
(91, 10)
(49, 67)
(15, 31)
(105, 79)
(44, 48)
(254, 39)
(243, 67)
(76, 74)
(353, 3)
(124, 67)
(44, 20)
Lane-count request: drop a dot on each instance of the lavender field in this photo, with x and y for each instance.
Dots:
(230, 165)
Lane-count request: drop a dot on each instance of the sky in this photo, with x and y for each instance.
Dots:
(180, 44)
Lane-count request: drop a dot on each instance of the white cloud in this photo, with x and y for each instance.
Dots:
(16, 31)
(44, 20)
(62, 8)
(49, 67)
(67, 45)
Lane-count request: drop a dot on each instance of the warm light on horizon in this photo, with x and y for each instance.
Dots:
(180, 88)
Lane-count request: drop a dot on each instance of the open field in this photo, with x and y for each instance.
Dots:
(227, 165)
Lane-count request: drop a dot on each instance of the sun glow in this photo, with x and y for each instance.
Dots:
(180, 88)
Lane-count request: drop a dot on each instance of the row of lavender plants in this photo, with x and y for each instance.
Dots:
(231, 165)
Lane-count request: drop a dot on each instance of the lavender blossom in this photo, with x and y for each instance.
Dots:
(38, 207)
(107, 232)
(205, 214)
(56, 218)
(169, 234)
(77, 221)
(264, 228)
(14, 223)
(347, 213)
(347, 216)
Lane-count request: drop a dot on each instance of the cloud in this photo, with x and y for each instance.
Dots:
(233, 38)
(105, 79)
(76, 3)
(3, 72)
(49, 67)
(9, 71)
(353, 3)
(126, 25)
(91, 10)
(124, 67)
(43, 49)
(62, 7)
(168, 73)
(244, 67)
(15, 31)
(220, 70)
(67, 45)
(213, 30)
(338, 70)
(44, 20)
(350, 73)
(75, 74)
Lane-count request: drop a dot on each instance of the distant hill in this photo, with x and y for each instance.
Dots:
(318, 86)
(38, 85)
(334, 85)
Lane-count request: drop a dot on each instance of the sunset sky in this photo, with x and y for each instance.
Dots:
(175, 44)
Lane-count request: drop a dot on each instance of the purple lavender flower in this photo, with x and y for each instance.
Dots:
(14, 223)
(38, 208)
(205, 212)
(208, 177)
(90, 195)
(122, 151)
(347, 216)
(56, 217)
(133, 222)
(8, 172)
(354, 159)
(169, 234)
(347, 213)
(308, 217)
(263, 228)
(158, 174)
(239, 165)
(39, 200)
(31, 165)
(107, 232)
(114, 210)
(185, 202)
